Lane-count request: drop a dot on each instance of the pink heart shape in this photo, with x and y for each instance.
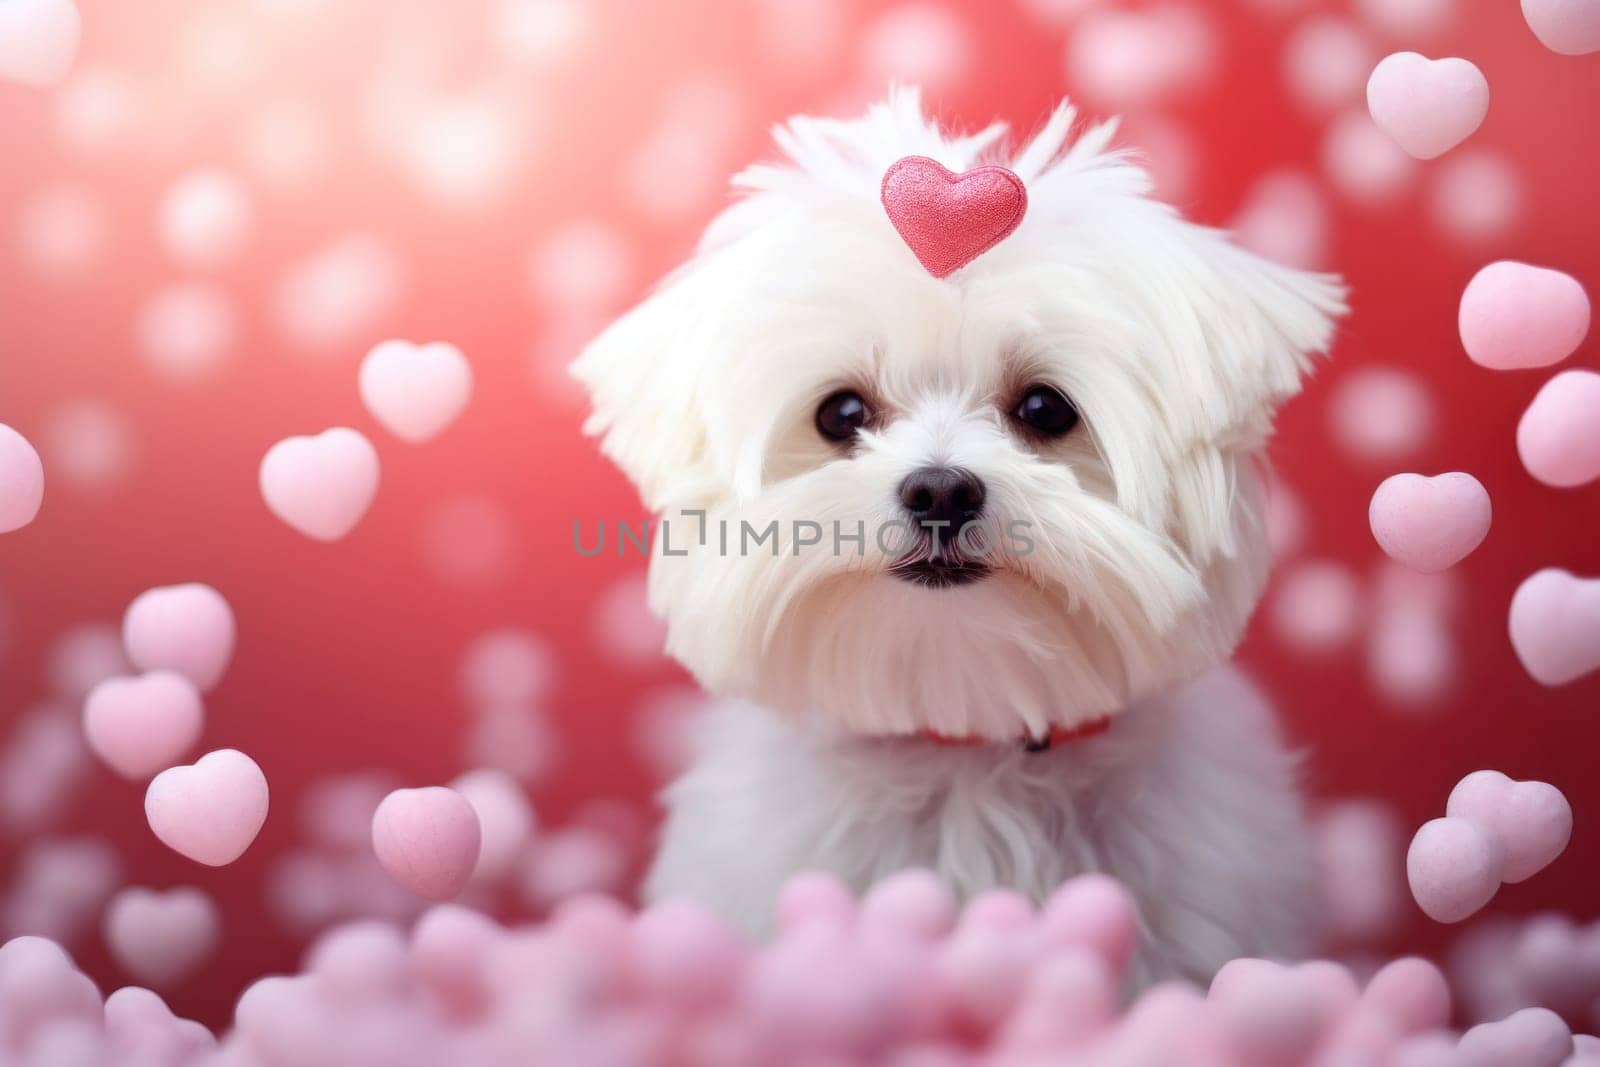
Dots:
(1557, 963)
(321, 485)
(184, 628)
(210, 810)
(1266, 1012)
(1555, 626)
(505, 820)
(1570, 27)
(415, 390)
(1558, 437)
(428, 840)
(950, 219)
(21, 481)
(1427, 105)
(38, 40)
(1455, 867)
(161, 938)
(139, 1020)
(1532, 819)
(142, 725)
(1515, 315)
(1410, 993)
(1532, 1037)
(1430, 524)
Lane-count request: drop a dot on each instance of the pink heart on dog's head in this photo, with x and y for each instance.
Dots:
(950, 219)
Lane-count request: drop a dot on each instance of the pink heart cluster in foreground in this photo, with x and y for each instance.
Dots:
(1495, 831)
(902, 978)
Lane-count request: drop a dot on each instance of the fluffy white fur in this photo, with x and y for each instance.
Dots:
(1190, 801)
(1148, 557)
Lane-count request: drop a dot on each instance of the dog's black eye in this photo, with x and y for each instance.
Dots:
(841, 416)
(1045, 411)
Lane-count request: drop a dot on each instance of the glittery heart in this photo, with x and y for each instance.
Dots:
(949, 219)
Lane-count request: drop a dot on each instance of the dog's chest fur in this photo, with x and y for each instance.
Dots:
(1189, 799)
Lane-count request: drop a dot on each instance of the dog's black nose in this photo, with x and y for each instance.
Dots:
(943, 494)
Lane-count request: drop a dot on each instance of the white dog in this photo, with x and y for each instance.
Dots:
(1054, 392)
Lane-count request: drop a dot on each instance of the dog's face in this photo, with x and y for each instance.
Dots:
(1017, 497)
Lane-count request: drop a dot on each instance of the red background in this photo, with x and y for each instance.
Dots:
(348, 653)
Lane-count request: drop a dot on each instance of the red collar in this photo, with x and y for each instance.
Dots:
(1058, 735)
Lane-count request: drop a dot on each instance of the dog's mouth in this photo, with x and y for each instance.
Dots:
(940, 573)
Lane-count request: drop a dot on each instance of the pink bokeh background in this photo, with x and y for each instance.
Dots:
(519, 172)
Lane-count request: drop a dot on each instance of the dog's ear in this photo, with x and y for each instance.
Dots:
(643, 375)
(1261, 324)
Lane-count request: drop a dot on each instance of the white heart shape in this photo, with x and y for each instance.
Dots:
(38, 40)
(142, 725)
(161, 938)
(212, 809)
(415, 391)
(1427, 105)
(184, 628)
(321, 485)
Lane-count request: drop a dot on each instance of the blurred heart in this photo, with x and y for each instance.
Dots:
(415, 391)
(1427, 105)
(140, 726)
(211, 810)
(1532, 1037)
(949, 219)
(1532, 819)
(321, 485)
(161, 938)
(1430, 524)
(38, 40)
(1555, 626)
(1571, 27)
